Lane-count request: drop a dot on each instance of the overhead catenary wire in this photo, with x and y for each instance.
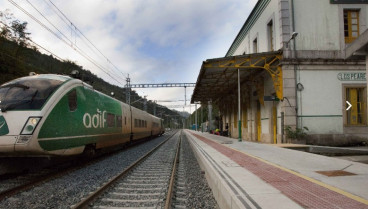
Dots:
(71, 42)
(78, 50)
(76, 29)
(69, 25)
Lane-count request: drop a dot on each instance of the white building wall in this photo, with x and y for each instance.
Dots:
(266, 111)
(320, 24)
(317, 24)
(259, 31)
(321, 101)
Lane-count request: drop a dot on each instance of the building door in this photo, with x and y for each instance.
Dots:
(357, 114)
(274, 122)
(258, 121)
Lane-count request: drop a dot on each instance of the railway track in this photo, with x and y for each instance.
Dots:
(20, 183)
(148, 183)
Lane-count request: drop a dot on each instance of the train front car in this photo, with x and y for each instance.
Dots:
(54, 115)
(23, 102)
(81, 120)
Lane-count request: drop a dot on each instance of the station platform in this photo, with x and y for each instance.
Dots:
(253, 175)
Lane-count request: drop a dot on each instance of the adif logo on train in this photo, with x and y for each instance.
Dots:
(96, 121)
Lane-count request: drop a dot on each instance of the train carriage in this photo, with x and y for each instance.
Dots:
(58, 115)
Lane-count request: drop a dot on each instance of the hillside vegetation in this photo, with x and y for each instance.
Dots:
(19, 56)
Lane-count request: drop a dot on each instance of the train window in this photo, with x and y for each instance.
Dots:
(140, 123)
(27, 93)
(125, 120)
(135, 123)
(110, 120)
(72, 100)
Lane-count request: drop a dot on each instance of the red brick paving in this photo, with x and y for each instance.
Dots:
(302, 191)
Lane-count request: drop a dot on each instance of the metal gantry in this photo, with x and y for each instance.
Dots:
(128, 90)
(162, 85)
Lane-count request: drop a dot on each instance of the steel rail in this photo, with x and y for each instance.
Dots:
(172, 178)
(47, 177)
(85, 202)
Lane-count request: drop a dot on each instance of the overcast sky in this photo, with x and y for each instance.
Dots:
(154, 41)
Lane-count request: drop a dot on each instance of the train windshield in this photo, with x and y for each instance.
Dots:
(27, 94)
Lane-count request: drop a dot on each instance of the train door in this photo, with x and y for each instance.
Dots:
(258, 121)
(126, 122)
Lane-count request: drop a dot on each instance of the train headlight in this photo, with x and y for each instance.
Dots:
(34, 121)
(30, 126)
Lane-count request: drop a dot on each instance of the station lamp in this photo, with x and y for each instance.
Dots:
(293, 35)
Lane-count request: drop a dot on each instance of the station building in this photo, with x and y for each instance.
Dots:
(287, 67)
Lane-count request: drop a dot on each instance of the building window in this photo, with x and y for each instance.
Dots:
(270, 35)
(255, 49)
(351, 25)
(357, 114)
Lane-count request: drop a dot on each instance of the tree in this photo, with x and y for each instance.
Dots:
(5, 18)
(19, 32)
(13, 29)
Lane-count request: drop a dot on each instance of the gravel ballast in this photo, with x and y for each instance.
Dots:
(196, 191)
(69, 189)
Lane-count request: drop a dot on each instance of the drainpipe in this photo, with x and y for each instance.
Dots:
(295, 65)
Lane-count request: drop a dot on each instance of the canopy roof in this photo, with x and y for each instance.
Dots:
(219, 77)
(358, 48)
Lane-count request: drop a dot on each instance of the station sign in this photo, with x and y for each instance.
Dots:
(352, 76)
(270, 98)
(348, 1)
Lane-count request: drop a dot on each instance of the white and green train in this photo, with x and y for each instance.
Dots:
(55, 115)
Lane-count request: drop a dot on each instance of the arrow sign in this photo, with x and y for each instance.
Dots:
(349, 105)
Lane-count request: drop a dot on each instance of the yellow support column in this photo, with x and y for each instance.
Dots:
(258, 121)
(274, 123)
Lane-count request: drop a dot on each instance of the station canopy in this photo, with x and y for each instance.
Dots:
(219, 77)
(358, 49)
